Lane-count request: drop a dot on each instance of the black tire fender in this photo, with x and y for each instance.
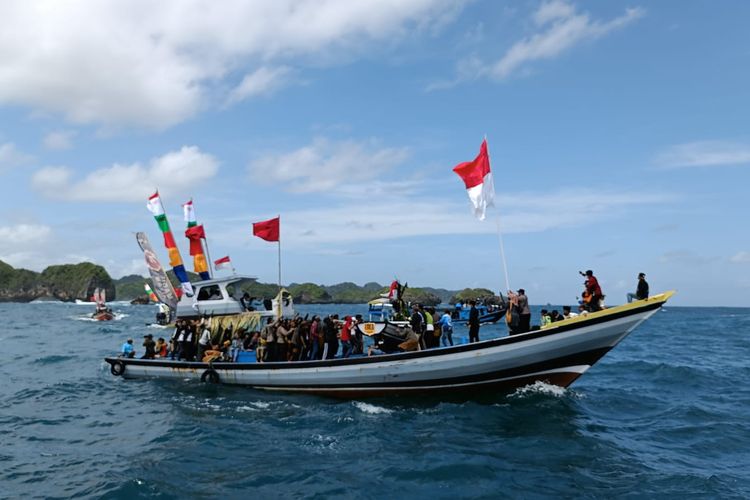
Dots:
(117, 368)
(210, 376)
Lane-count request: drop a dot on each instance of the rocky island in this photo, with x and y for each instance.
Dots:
(70, 282)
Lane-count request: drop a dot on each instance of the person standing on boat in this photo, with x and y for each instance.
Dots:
(359, 344)
(417, 323)
(446, 328)
(641, 292)
(331, 340)
(524, 312)
(283, 334)
(593, 295)
(314, 338)
(473, 322)
(346, 337)
(204, 342)
(430, 340)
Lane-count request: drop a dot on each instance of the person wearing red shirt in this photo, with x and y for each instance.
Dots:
(592, 295)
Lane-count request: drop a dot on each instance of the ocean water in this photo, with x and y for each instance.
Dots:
(666, 413)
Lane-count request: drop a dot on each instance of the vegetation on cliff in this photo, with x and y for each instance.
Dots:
(66, 282)
(77, 281)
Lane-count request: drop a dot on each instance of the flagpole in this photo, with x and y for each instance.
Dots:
(499, 232)
(204, 242)
(279, 298)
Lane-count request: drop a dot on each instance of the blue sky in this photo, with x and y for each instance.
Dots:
(618, 132)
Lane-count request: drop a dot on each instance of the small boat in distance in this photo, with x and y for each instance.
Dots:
(557, 354)
(487, 313)
(102, 313)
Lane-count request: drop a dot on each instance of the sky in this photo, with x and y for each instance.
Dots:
(618, 134)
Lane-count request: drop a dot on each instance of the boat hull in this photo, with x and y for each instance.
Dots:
(557, 356)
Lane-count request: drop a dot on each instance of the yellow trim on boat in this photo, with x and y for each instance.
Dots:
(661, 297)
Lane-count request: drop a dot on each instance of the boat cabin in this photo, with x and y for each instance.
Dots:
(221, 296)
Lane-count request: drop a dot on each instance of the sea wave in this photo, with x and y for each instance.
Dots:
(370, 408)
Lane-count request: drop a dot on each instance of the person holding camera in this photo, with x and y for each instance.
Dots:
(592, 295)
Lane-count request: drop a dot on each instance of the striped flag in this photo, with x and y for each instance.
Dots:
(175, 260)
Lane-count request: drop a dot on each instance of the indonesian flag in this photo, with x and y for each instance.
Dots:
(267, 230)
(393, 291)
(154, 205)
(189, 213)
(223, 263)
(477, 177)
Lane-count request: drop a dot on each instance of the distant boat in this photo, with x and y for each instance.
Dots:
(487, 314)
(557, 354)
(102, 313)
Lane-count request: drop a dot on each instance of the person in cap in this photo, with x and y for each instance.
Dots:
(127, 351)
(641, 293)
(524, 312)
(150, 346)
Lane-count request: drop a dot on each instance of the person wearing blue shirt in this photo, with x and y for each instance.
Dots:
(128, 351)
(446, 328)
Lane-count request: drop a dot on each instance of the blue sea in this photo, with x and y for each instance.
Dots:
(666, 413)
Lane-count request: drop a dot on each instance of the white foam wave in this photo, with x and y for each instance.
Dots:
(371, 409)
(540, 387)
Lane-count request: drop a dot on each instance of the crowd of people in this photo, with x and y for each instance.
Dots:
(316, 338)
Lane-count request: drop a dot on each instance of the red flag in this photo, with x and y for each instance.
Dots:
(477, 178)
(267, 230)
(222, 263)
(194, 234)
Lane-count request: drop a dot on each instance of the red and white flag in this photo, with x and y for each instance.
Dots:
(267, 229)
(477, 177)
(223, 263)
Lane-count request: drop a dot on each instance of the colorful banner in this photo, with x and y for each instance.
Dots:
(163, 287)
(175, 260)
(196, 234)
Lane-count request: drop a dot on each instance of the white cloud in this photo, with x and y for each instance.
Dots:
(391, 217)
(325, 165)
(741, 257)
(22, 234)
(262, 81)
(59, 140)
(20, 244)
(560, 27)
(173, 172)
(704, 154)
(11, 157)
(155, 64)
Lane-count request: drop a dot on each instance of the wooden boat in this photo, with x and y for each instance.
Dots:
(102, 313)
(557, 354)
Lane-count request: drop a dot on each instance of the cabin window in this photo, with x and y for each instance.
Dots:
(211, 292)
(230, 291)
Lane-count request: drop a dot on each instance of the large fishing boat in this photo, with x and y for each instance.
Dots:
(557, 354)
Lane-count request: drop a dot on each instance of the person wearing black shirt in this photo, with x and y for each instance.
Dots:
(149, 345)
(473, 322)
(641, 292)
